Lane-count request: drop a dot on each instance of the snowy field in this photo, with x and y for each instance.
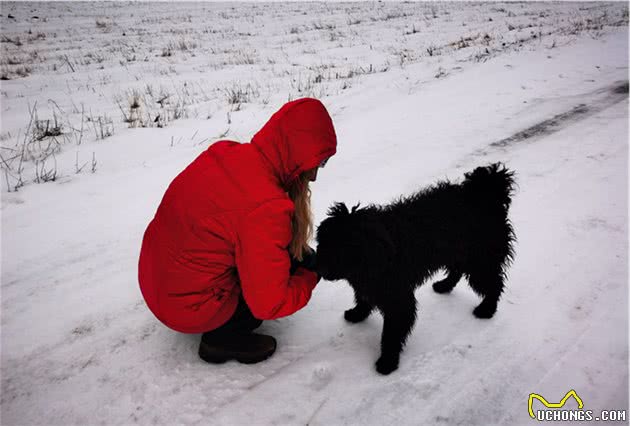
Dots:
(104, 103)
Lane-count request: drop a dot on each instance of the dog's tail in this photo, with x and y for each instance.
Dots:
(493, 183)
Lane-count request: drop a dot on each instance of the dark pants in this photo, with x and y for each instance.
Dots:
(242, 321)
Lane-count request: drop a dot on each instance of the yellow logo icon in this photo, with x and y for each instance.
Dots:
(547, 404)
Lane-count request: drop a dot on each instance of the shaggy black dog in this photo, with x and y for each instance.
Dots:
(385, 252)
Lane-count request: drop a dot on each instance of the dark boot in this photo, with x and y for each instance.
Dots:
(247, 348)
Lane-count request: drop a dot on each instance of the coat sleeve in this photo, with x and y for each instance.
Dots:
(263, 263)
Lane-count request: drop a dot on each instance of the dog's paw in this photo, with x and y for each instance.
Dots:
(485, 311)
(386, 365)
(355, 315)
(443, 287)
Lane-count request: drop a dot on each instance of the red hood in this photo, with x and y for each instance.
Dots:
(297, 138)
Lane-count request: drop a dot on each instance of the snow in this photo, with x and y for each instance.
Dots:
(80, 347)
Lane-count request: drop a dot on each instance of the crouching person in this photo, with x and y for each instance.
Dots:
(227, 247)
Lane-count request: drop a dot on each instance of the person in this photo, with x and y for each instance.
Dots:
(228, 245)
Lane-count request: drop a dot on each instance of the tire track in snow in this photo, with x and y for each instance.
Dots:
(614, 94)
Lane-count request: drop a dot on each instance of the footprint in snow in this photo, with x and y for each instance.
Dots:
(322, 375)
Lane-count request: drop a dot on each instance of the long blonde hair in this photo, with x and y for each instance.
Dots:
(300, 194)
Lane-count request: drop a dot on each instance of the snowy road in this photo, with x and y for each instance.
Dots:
(80, 347)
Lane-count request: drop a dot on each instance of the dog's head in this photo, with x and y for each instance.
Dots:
(352, 244)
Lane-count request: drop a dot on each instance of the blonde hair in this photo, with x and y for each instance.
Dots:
(300, 194)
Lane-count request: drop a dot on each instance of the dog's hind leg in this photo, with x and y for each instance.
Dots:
(360, 312)
(398, 320)
(489, 285)
(447, 284)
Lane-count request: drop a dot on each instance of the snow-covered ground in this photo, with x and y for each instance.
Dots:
(418, 92)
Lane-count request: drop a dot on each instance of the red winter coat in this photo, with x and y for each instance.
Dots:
(224, 225)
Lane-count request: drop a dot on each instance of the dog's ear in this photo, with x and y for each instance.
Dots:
(338, 210)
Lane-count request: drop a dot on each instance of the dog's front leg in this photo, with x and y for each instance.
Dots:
(447, 284)
(399, 319)
(360, 312)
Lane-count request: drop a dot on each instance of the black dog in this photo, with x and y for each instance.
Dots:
(385, 252)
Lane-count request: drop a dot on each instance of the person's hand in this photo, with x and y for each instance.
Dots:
(309, 261)
(294, 265)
